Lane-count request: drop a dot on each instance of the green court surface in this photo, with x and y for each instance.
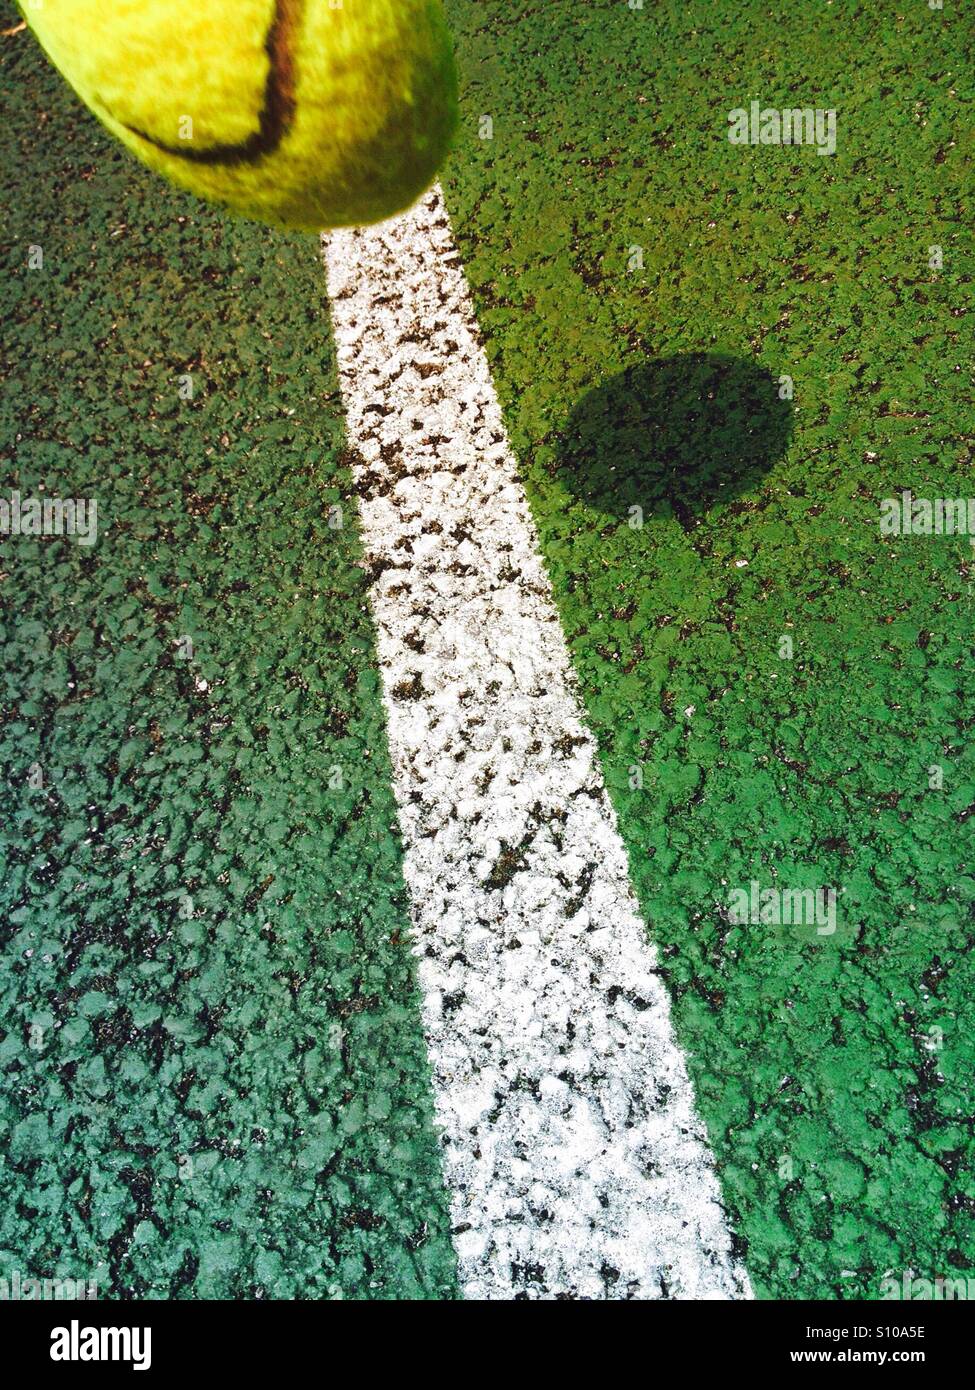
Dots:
(213, 1074)
(841, 1117)
(214, 1079)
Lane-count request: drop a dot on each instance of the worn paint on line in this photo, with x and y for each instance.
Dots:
(576, 1162)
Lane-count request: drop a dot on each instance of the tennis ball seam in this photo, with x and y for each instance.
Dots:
(306, 114)
(277, 108)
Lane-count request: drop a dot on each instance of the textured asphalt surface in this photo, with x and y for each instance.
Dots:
(214, 1078)
(213, 1072)
(834, 1073)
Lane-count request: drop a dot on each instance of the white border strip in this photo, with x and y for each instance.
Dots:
(574, 1157)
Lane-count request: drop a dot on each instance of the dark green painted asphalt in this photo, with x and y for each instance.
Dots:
(213, 1076)
(835, 1073)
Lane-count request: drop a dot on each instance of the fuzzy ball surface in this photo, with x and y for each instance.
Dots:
(300, 113)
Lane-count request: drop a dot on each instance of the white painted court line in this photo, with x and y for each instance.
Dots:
(573, 1154)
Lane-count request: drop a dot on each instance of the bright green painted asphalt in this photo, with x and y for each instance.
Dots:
(268, 1030)
(811, 1056)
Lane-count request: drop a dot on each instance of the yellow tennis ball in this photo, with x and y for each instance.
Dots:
(300, 113)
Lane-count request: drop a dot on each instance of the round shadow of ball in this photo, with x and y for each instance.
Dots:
(674, 436)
